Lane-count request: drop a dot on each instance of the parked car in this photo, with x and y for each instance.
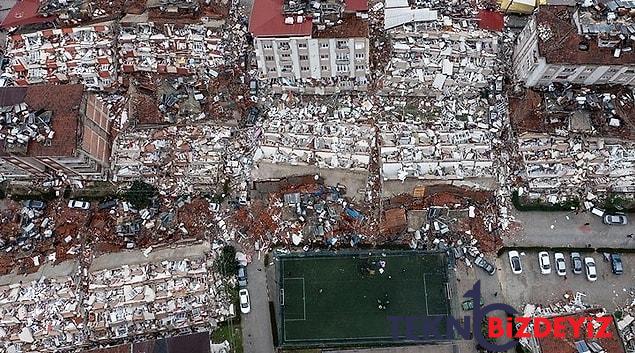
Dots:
(78, 204)
(486, 266)
(35, 204)
(241, 274)
(469, 304)
(576, 263)
(616, 264)
(108, 204)
(214, 207)
(545, 264)
(591, 271)
(561, 266)
(245, 306)
(615, 219)
(514, 261)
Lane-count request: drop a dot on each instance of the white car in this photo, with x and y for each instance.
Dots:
(514, 262)
(245, 307)
(78, 204)
(561, 266)
(591, 272)
(545, 265)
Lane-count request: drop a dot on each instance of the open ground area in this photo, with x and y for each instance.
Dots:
(339, 299)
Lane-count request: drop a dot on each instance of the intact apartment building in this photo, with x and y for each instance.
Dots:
(53, 130)
(315, 47)
(577, 45)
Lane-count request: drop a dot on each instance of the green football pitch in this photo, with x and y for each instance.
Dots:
(339, 299)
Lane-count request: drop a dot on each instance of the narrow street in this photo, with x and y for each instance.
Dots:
(256, 326)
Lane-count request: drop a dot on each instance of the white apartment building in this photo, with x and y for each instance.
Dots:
(565, 44)
(325, 53)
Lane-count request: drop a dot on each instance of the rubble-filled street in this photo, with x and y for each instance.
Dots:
(161, 159)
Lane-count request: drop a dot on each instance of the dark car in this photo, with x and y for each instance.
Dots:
(486, 266)
(616, 264)
(35, 204)
(576, 263)
(108, 204)
(241, 274)
(252, 116)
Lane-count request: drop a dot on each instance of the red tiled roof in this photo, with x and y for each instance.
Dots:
(25, 12)
(356, 5)
(491, 20)
(267, 20)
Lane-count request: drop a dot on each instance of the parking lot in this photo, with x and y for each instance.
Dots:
(531, 286)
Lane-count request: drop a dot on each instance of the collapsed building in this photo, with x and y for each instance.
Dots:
(438, 47)
(590, 44)
(169, 48)
(315, 47)
(42, 315)
(575, 140)
(64, 55)
(176, 158)
(53, 131)
(148, 298)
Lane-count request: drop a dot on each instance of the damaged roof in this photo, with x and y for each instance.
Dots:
(560, 43)
(267, 20)
(25, 12)
(64, 102)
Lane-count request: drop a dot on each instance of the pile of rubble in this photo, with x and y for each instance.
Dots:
(437, 46)
(170, 48)
(306, 215)
(19, 125)
(441, 138)
(142, 299)
(313, 142)
(626, 323)
(76, 11)
(44, 315)
(177, 159)
(76, 55)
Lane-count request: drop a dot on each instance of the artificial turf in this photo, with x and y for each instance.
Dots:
(335, 299)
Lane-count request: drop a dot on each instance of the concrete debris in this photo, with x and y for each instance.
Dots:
(64, 55)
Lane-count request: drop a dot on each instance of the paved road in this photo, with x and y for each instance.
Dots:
(256, 325)
(561, 229)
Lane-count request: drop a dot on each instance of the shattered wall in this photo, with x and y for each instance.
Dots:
(64, 55)
(171, 48)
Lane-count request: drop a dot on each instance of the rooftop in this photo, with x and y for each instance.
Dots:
(267, 20)
(25, 12)
(567, 344)
(351, 27)
(559, 41)
(64, 103)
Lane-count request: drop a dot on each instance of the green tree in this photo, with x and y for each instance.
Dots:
(226, 262)
(140, 194)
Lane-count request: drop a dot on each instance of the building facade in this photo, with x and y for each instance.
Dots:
(312, 54)
(559, 44)
(55, 131)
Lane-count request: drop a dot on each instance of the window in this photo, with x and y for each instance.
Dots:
(582, 77)
(304, 68)
(324, 45)
(360, 67)
(302, 45)
(304, 57)
(341, 56)
(269, 58)
(325, 68)
(286, 68)
(568, 69)
(342, 44)
(342, 68)
(359, 55)
(324, 56)
(285, 55)
(273, 68)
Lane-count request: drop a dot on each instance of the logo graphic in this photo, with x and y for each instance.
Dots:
(445, 327)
